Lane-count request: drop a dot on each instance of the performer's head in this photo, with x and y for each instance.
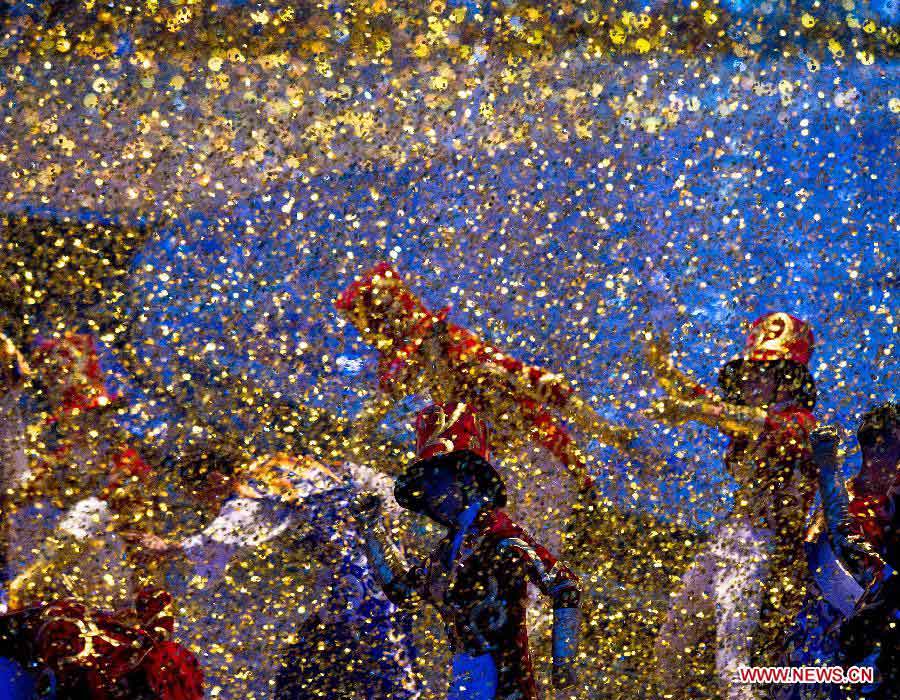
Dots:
(384, 310)
(451, 470)
(207, 470)
(773, 366)
(879, 437)
(879, 475)
(69, 373)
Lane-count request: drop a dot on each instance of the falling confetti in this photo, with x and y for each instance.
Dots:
(247, 246)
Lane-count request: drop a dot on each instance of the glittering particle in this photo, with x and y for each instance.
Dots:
(605, 191)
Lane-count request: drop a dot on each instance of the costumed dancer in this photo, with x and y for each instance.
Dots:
(846, 545)
(95, 484)
(79, 622)
(299, 497)
(478, 574)
(750, 580)
(69, 651)
(863, 529)
(421, 352)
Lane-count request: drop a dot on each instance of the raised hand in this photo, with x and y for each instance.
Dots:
(365, 506)
(657, 352)
(149, 547)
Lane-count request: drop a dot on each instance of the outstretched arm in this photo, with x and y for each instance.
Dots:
(657, 352)
(548, 389)
(727, 417)
(688, 400)
(560, 583)
(402, 585)
(848, 545)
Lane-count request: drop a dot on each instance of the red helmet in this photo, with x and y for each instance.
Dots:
(779, 336)
(383, 308)
(449, 436)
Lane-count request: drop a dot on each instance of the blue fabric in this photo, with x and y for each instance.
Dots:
(813, 640)
(474, 678)
(15, 682)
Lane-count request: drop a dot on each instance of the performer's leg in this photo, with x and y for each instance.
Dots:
(687, 625)
(741, 567)
(474, 678)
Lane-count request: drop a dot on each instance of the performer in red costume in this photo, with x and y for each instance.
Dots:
(77, 623)
(90, 485)
(420, 351)
(751, 578)
(89, 654)
(863, 531)
(477, 576)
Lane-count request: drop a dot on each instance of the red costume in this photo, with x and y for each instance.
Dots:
(420, 350)
(750, 578)
(92, 652)
(96, 655)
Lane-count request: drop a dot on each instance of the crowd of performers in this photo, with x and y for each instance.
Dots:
(90, 589)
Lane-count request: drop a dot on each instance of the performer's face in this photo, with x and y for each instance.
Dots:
(444, 497)
(759, 384)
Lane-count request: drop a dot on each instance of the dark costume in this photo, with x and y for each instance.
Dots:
(874, 627)
(477, 579)
(869, 525)
(850, 541)
(482, 598)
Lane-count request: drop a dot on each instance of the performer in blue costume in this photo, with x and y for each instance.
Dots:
(849, 543)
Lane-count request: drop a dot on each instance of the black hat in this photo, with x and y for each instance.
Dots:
(409, 487)
(791, 375)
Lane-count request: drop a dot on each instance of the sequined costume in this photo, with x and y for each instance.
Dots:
(75, 652)
(86, 488)
(872, 633)
(477, 576)
(420, 351)
(864, 531)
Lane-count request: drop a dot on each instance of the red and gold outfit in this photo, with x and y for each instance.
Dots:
(66, 617)
(97, 655)
(101, 486)
(750, 579)
(421, 351)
